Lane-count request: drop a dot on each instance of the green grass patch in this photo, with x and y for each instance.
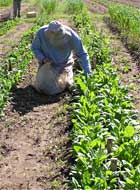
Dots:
(4, 3)
(127, 20)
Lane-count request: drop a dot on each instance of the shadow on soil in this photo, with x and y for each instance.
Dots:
(25, 99)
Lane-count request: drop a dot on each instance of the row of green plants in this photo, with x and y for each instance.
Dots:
(67, 6)
(127, 21)
(16, 62)
(6, 26)
(13, 67)
(46, 7)
(105, 135)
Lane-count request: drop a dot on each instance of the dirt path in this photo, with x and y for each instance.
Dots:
(12, 37)
(24, 8)
(126, 66)
(34, 141)
(96, 7)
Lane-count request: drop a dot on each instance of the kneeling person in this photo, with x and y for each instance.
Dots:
(53, 46)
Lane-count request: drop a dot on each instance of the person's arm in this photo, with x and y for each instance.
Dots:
(81, 53)
(36, 48)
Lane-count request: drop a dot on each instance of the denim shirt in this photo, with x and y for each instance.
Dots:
(60, 56)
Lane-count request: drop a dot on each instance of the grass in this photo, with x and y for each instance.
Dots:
(126, 20)
(4, 3)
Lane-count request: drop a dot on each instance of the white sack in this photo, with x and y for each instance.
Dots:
(50, 82)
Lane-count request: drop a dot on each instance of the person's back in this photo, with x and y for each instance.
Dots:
(54, 46)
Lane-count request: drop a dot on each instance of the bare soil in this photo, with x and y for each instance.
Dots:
(35, 149)
(34, 142)
(10, 40)
(24, 8)
(12, 37)
(96, 7)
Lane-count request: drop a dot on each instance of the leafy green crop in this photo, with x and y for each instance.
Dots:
(14, 66)
(127, 20)
(5, 26)
(106, 142)
(16, 63)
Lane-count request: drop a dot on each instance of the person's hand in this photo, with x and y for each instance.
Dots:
(44, 61)
(88, 75)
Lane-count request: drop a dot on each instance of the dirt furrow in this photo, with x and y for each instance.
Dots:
(24, 8)
(96, 7)
(34, 141)
(34, 137)
(12, 37)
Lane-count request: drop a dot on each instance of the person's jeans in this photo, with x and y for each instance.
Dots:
(16, 8)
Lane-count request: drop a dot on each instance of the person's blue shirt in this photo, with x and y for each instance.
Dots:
(60, 55)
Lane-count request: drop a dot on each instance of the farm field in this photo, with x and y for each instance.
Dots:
(88, 136)
(135, 3)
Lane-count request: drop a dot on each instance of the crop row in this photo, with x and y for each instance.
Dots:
(16, 62)
(13, 67)
(106, 140)
(127, 21)
(5, 26)
(46, 8)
